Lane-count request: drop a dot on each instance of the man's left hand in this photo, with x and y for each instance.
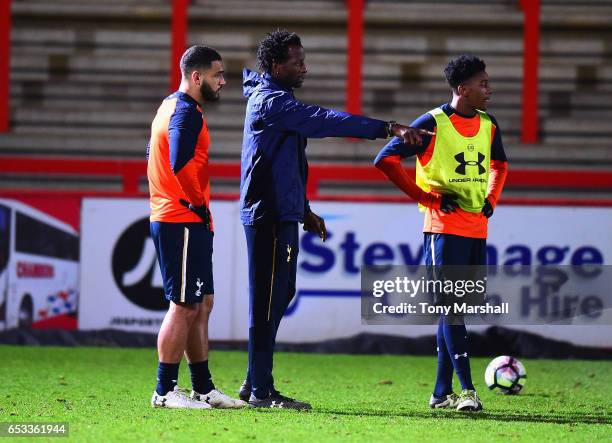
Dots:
(315, 224)
(201, 211)
(487, 209)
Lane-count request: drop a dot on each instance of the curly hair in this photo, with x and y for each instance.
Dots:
(462, 69)
(275, 48)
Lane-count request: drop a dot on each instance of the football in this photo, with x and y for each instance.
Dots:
(506, 374)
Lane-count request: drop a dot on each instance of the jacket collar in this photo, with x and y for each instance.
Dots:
(251, 80)
(270, 80)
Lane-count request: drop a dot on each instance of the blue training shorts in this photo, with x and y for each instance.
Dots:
(455, 258)
(184, 252)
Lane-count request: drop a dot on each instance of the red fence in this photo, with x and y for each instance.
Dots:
(5, 49)
(354, 55)
(531, 60)
(131, 172)
(179, 40)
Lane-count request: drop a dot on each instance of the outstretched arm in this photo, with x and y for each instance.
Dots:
(284, 112)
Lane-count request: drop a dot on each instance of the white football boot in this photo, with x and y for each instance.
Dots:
(469, 401)
(448, 401)
(218, 399)
(177, 399)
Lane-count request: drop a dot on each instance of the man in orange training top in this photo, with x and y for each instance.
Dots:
(182, 231)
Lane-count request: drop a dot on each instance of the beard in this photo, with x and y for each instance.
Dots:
(208, 94)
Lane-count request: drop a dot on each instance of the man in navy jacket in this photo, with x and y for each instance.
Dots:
(273, 194)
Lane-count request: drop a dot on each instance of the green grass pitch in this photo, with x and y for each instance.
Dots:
(104, 395)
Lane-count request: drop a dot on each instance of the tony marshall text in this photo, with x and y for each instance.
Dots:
(426, 308)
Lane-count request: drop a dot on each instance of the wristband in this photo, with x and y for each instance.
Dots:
(390, 127)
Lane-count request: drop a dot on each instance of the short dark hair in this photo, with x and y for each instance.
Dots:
(275, 48)
(198, 57)
(462, 69)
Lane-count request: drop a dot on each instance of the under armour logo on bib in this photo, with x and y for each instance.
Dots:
(463, 163)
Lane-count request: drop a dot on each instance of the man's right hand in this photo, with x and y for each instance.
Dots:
(448, 204)
(201, 211)
(411, 136)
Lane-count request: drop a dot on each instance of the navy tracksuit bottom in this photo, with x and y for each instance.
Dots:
(272, 254)
(452, 339)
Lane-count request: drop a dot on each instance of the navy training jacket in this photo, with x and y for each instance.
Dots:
(274, 168)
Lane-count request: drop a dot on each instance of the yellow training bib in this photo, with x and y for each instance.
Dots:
(459, 165)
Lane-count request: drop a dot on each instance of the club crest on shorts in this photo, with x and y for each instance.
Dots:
(288, 253)
(199, 284)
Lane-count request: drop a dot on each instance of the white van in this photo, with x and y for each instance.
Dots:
(39, 266)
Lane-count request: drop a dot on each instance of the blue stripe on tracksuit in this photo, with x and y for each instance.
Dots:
(448, 249)
(272, 252)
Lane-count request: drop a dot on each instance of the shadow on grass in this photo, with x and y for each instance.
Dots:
(575, 417)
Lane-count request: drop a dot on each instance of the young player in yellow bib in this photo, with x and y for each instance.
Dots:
(460, 173)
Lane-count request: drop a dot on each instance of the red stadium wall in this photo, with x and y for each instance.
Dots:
(132, 171)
